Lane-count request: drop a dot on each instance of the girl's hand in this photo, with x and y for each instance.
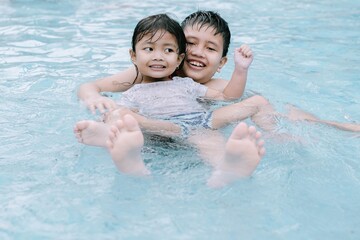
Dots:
(243, 57)
(101, 103)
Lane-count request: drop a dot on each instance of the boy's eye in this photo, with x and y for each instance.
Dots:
(212, 49)
(190, 43)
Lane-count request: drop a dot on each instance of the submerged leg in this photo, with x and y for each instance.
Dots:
(296, 114)
(125, 143)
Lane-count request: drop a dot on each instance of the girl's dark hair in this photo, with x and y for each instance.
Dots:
(210, 19)
(153, 24)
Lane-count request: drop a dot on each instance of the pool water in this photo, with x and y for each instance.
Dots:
(51, 187)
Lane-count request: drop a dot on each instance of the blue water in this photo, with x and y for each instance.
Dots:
(51, 187)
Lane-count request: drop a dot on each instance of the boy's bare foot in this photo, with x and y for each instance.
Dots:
(92, 133)
(125, 143)
(244, 150)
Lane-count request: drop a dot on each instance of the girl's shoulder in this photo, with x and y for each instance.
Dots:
(183, 79)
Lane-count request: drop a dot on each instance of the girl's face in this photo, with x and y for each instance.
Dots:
(156, 56)
(203, 53)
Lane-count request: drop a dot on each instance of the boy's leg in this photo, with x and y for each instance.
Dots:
(125, 143)
(256, 107)
(237, 158)
(298, 114)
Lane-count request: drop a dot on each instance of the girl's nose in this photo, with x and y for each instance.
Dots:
(158, 55)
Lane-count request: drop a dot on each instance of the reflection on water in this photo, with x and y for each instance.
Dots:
(306, 53)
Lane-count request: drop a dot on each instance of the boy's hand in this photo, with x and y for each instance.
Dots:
(101, 103)
(243, 57)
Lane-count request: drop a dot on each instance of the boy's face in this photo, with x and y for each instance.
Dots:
(203, 53)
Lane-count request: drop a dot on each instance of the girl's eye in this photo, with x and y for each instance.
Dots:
(148, 49)
(190, 43)
(212, 49)
(169, 50)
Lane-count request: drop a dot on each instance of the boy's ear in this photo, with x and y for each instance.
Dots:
(181, 58)
(132, 55)
(223, 61)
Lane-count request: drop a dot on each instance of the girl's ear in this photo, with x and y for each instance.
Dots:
(181, 58)
(132, 56)
(223, 61)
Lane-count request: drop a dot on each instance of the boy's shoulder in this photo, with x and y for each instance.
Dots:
(217, 84)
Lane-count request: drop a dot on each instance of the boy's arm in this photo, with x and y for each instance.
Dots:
(243, 57)
(89, 92)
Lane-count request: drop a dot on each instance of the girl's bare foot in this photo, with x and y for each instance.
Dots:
(92, 133)
(243, 152)
(125, 143)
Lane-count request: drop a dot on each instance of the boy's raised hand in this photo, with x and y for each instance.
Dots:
(243, 57)
(101, 103)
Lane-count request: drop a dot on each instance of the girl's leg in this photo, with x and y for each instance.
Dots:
(210, 145)
(151, 126)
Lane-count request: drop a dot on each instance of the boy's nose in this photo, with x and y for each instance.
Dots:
(196, 51)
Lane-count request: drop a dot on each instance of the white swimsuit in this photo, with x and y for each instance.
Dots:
(174, 100)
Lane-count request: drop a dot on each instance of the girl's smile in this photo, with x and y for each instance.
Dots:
(156, 56)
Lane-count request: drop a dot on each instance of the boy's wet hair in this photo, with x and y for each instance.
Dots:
(160, 22)
(210, 19)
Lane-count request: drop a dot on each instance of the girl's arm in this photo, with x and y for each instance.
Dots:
(89, 92)
(243, 58)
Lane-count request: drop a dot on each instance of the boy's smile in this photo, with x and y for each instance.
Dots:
(204, 53)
